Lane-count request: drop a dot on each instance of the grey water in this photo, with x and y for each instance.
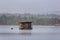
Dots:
(37, 33)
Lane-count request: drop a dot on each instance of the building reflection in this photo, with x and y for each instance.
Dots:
(25, 32)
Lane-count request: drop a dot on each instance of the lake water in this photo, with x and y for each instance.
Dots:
(37, 33)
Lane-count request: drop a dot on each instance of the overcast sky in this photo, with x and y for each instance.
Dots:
(27, 6)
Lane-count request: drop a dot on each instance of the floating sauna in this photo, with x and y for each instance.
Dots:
(25, 25)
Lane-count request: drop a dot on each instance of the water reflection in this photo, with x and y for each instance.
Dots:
(38, 33)
(25, 32)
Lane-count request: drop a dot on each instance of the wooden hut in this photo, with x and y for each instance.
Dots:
(25, 25)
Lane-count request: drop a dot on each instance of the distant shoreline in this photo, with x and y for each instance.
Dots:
(42, 25)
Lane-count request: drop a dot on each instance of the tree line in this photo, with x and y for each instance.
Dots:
(36, 20)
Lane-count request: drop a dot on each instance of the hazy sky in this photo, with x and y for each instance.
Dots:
(29, 5)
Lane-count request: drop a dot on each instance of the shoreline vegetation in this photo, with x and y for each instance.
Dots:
(36, 19)
(34, 25)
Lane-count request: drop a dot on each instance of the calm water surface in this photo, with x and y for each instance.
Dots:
(37, 33)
